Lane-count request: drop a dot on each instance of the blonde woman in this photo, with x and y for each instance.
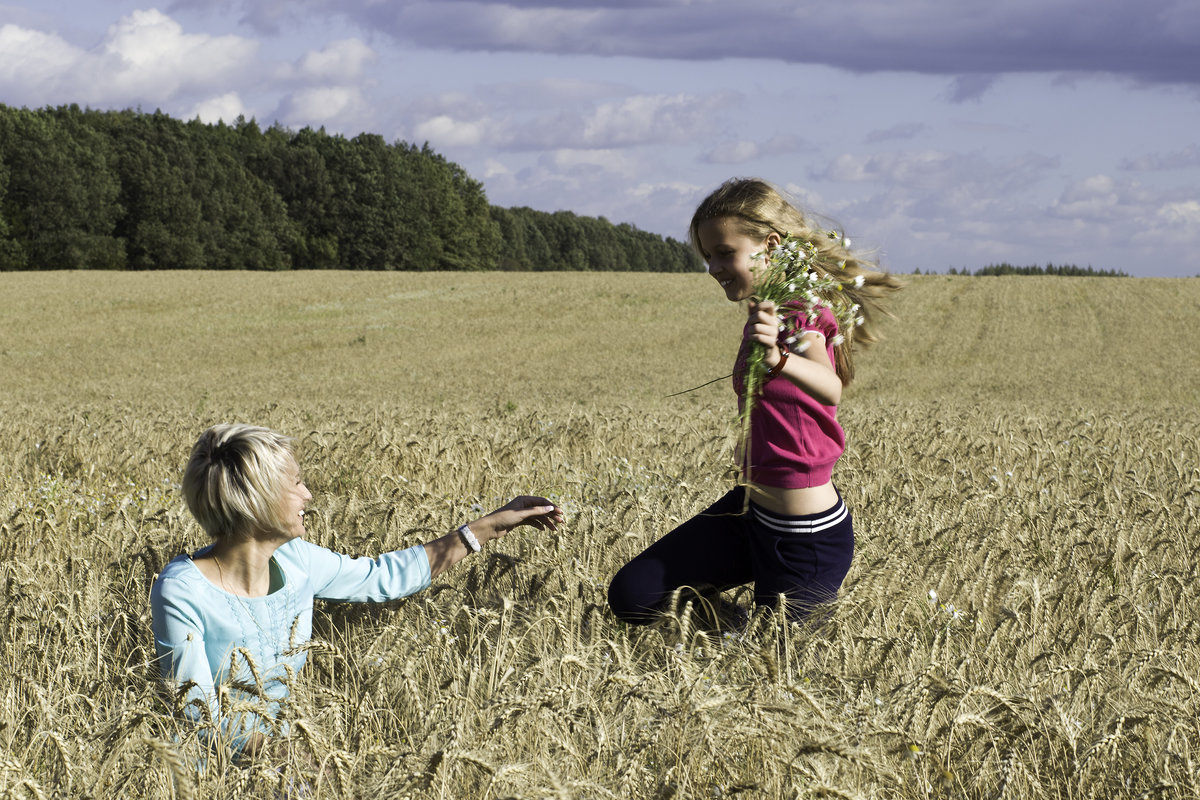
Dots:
(784, 527)
(237, 611)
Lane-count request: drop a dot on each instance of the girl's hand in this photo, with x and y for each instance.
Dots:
(764, 329)
(813, 371)
(538, 512)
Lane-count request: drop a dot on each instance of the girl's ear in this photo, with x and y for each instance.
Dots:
(773, 240)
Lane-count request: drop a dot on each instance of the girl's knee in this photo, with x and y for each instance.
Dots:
(629, 599)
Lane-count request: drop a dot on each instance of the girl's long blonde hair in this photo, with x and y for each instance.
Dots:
(759, 209)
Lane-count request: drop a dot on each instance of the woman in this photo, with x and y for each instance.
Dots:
(237, 612)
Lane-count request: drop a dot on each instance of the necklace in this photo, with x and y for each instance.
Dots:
(245, 606)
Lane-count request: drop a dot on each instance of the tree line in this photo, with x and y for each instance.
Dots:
(1005, 268)
(88, 189)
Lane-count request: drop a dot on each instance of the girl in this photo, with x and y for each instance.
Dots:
(784, 526)
(238, 612)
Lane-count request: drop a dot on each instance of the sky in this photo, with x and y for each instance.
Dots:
(937, 133)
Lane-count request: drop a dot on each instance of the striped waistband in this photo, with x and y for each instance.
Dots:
(800, 523)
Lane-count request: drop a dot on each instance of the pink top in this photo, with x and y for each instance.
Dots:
(794, 440)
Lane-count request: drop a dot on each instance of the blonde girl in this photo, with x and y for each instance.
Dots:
(784, 527)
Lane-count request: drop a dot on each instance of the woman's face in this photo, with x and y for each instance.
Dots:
(729, 254)
(295, 498)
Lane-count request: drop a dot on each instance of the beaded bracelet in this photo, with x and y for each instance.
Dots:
(778, 368)
(469, 538)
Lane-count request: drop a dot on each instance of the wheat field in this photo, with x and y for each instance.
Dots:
(1021, 620)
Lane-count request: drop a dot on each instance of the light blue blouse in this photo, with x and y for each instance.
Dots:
(211, 637)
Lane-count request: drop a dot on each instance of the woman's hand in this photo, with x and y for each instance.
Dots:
(764, 329)
(537, 512)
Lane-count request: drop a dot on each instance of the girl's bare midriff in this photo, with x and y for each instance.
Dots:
(811, 500)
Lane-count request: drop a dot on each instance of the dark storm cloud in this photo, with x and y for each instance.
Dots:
(1151, 40)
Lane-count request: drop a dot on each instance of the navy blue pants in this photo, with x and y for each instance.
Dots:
(803, 557)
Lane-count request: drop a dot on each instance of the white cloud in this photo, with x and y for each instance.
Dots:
(681, 190)
(648, 118)
(458, 119)
(941, 176)
(592, 183)
(445, 131)
(322, 105)
(1184, 214)
(914, 168)
(619, 162)
(808, 199)
(145, 57)
(503, 26)
(1100, 221)
(669, 204)
(1096, 199)
(228, 107)
(457, 105)
(742, 150)
(643, 119)
(30, 60)
(341, 62)
(552, 91)
(147, 54)
(493, 168)
(1173, 223)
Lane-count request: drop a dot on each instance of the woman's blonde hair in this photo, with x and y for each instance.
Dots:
(758, 209)
(235, 479)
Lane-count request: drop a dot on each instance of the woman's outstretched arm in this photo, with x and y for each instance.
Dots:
(446, 551)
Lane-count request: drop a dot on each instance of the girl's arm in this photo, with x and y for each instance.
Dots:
(808, 365)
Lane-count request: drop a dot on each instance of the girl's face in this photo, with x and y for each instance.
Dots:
(729, 254)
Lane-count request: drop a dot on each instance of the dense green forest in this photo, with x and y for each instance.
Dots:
(86, 189)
